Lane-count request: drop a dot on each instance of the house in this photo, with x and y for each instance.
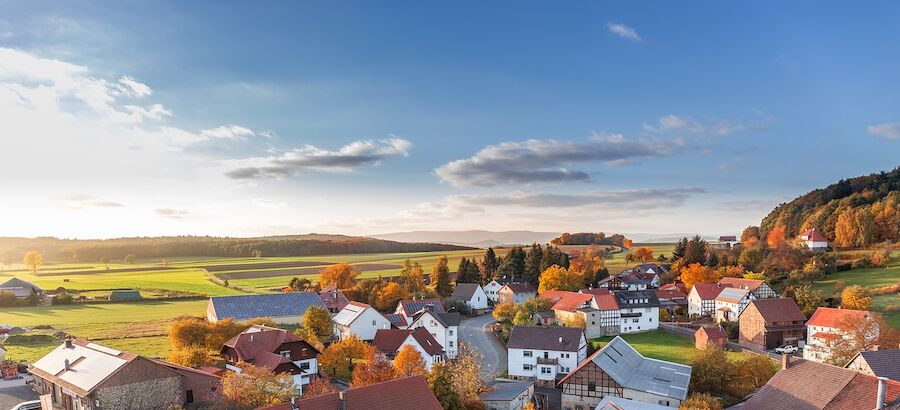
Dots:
(333, 299)
(599, 311)
(730, 303)
(724, 242)
(634, 281)
(672, 299)
(650, 272)
(813, 240)
(389, 342)
(878, 363)
(410, 393)
(618, 403)
(543, 318)
(702, 299)
(492, 289)
(611, 282)
(759, 288)
(443, 326)
(621, 371)
(507, 395)
(22, 289)
(397, 321)
(769, 323)
(803, 384)
(409, 308)
(824, 326)
(638, 309)
(283, 308)
(709, 335)
(471, 293)
(83, 375)
(544, 353)
(360, 320)
(273, 349)
(516, 293)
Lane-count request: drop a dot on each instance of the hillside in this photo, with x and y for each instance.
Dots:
(871, 202)
(75, 250)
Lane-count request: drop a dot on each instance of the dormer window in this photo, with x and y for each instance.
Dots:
(286, 353)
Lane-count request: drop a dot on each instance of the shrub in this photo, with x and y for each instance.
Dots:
(862, 263)
(62, 299)
(880, 258)
(7, 298)
(885, 290)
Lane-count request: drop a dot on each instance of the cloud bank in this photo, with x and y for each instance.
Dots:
(888, 131)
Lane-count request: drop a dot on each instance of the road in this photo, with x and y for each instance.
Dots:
(13, 392)
(476, 332)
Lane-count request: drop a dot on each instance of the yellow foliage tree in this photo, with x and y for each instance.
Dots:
(317, 321)
(409, 362)
(701, 401)
(343, 275)
(256, 387)
(190, 356)
(33, 260)
(390, 294)
(559, 278)
(856, 297)
(338, 357)
(505, 312)
(318, 387)
(697, 273)
(374, 371)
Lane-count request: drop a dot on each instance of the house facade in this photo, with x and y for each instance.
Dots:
(472, 294)
(276, 350)
(443, 326)
(759, 288)
(516, 293)
(769, 323)
(360, 320)
(492, 288)
(409, 308)
(618, 370)
(823, 328)
(638, 310)
(709, 335)
(544, 354)
(814, 240)
(22, 289)
(702, 299)
(599, 310)
(81, 375)
(731, 302)
(388, 342)
(878, 363)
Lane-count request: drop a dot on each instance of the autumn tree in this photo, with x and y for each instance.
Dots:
(710, 370)
(339, 357)
(644, 254)
(440, 380)
(440, 277)
(776, 236)
(343, 275)
(33, 260)
(559, 278)
(317, 321)
(856, 297)
(701, 401)
(750, 374)
(535, 305)
(299, 284)
(521, 318)
(808, 300)
(256, 387)
(411, 276)
(129, 259)
(750, 232)
(376, 370)
(390, 294)
(861, 333)
(165, 262)
(319, 386)
(574, 321)
(628, 244)
(466, 372)
(697, 273)
(505, 312)
(409, 362)
(191, 356)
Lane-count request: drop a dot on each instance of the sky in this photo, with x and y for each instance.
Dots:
(121, 118)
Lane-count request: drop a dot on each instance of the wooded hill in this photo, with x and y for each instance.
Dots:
(853, 212)
(589, 238)
(74, 250)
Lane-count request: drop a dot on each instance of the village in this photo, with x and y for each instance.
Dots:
(499, 344)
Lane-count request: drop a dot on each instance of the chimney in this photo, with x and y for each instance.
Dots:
(882, 387)
(343, 405)
(560, 339)
(251, 338)
(66, 364)
(293, 402)
(785, 361)
(68, 343)
(875, 348)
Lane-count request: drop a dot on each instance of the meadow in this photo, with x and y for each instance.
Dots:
(661, 345)
(615, 262)
(870, 278)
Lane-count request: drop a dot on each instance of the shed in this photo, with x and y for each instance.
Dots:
(707, 335)
(119, 295)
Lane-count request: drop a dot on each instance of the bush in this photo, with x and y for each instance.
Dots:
(881, 258)
(862, 263)
(62, 299)
(7, 298)
(885, 290)
(455, 305)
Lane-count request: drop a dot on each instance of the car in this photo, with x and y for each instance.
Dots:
(28, 405)
(788, 349)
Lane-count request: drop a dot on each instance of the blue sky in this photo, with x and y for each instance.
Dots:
(363, 118)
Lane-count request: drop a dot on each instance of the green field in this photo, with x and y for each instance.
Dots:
(870, 278)
(616, 262)
(661, 345)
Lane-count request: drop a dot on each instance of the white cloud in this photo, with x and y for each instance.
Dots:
(889, 131)
(675, 125)
(171, 213)
(623, 31)
(632, 199)
(228, 132)
(135, 88)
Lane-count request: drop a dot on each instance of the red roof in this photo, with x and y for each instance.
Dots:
(672, 293)
(333, 298)
(411, 393)
(831, 317)
(567, 301)
(251, 344)
(594, 291)
(606, 301)
(520, 287)
(751, 284)
(713, 332)
(707, 291)
(390, 340)
(777, 310)
(813, 235)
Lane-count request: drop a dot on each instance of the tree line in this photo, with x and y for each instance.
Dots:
(588, 238)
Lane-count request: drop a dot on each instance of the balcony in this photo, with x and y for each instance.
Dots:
(544, 360)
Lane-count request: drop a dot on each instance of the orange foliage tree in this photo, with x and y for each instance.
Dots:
(776, 236)
(343, 275)
(697, 273)
(338, 357)
(409, 362)
(644, 254)
(256, 387)
(319, 386)
(628, 244)
(374, 371)
(390, 294)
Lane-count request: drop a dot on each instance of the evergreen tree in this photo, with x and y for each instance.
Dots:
(695, 251)
(680, 249)
(713, 259)
(489, 264)
(440, 277)
(533, 260)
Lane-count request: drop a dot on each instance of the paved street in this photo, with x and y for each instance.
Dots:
(475, 332)
(13, 392)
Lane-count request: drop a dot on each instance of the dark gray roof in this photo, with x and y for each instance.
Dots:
(410, 307)
(464, 291)
(884, 363)
(626, 296)
(506, 391)
(630, 369)
(19, 287)
(272, 305)
(545, 338)
(446, 318)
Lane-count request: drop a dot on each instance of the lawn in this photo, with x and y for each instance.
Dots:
(870, 278)
(661, 345)
(152, 346)
(616, 262)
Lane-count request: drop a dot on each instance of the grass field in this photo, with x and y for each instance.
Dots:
(661, 345)
(616, 262)
(870, 278)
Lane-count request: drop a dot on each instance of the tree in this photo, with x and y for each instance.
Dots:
(105, 260)
(845, 230)
(257, 387)
(505, 312)
(750, 374)
(376, 370)
(750, 232)
(317, 321)
(165, 262)
(522, 318)
(440, 277)
(856, 297)
(299, 284)
(752, 255)
(409, 362)
(776, 236)
(440, 380)
(808, 300)
(468, 272)
(701, 401)
(466, 372)
(861, 334)
(558, 278)
(343, 275)
(535, 305)
(628, 244)
(191, 356)
(129, 259)
(695, 251)
(339, 357)
(256, 253)
(489, 264)
(411, 276)
(390, 294)
(697, 273)
(318, 387)
(679, 249)
(644, 254)
(574, 321)
(33, 260)
(533, 259)
(710, 370)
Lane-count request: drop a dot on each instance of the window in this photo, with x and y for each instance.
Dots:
(664, 403)
(451, 343)
(526, 353)
(592, 386)
(285, 353)
(373, 323)
(451, 332)
(304, 366)
(545, 370)
(189, 397)
(527, 367)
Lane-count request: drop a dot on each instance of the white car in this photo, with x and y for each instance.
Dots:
(28, 405)
(788, 349)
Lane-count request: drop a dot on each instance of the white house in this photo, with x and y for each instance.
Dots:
(275, 350)
(702, 299)
(759, 288)
(443, 326)
(471, 293)
(409, 308)
(360, 320)
(638, 310)
(824, 327)
(543, 353)
(516, 293)
(389, 342)
(813, 240)
(492, 289)
(731, 302)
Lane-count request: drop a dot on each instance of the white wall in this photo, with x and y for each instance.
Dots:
(492, 289)
(566, 362)
(479, 299)
(448, 338)
(649, 320)
(365, 325)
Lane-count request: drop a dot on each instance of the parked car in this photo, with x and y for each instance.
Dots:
(28, 405)
(788, 349)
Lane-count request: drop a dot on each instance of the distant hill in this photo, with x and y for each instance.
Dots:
(481, 239)
(91, 250)
(873, 200)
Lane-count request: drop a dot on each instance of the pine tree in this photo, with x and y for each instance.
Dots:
(489, 265)
(680, 249)
(440, 277)
(533, 263)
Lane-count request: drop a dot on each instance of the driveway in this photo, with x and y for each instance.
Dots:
(13, 392)
(477, 333)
